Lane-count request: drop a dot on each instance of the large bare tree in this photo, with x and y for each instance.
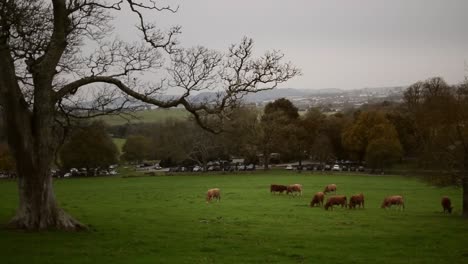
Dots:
(48, 75)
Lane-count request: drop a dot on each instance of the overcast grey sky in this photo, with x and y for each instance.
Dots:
(338, 43)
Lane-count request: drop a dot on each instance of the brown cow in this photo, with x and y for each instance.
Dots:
(317, 199)
(355, 200)
(446, 204)
(330, 188)
(391, 200)
(213, 193)
(336, 200)
(295, 188)
(278, 188)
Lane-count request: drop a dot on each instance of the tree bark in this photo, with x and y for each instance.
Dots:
(38, 209)
(33, 147)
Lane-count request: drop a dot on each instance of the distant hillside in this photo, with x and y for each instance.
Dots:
(148, 116)
(302, 98)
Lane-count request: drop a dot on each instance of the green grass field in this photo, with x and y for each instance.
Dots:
(147, 116)
(164, 219)
(119, 142)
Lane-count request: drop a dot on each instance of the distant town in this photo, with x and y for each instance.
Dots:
(327, 100)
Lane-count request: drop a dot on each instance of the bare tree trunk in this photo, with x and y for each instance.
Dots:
(38, 209)
(30, 137)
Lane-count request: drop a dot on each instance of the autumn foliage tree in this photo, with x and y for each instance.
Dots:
(384, 148)
(47, 78)
(372, 137)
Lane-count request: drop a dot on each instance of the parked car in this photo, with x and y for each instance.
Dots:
(327, 167)
(289, 167)
(227, 168)
(250, 167)
(174, 169)
(336, 167)
(361, 168)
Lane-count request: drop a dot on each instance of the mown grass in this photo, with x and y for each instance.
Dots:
(164, 219)
(147, 116)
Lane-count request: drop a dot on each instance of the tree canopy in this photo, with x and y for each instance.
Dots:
(136, 149)
(90, 147)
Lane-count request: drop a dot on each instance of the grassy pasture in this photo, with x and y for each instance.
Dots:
(164, 219)
(147, 116)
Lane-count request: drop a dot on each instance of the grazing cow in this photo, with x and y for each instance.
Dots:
(336, 200)
(213, 194)
(330, 188)
(391, 200)
(295, 188)
(278, 188)
(447, 204)
(355, 200)
(317, 199)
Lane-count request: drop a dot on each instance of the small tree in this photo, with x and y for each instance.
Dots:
(357, 136)
(382, 152)
(90, 147)
(322, 149)
(278, 116)
(333, 127)
(136, 149)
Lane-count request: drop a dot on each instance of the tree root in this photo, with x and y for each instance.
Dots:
(57, 220)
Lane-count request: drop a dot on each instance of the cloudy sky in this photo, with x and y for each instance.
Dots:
(338, 43)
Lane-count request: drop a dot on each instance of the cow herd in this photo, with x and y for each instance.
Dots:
(339, 200)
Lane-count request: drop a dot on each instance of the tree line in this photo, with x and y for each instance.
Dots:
(428, 127)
